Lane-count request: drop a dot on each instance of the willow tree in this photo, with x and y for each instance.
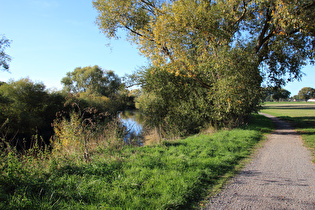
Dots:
(226, 46)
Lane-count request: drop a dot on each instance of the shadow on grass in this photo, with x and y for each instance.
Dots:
(280, 107)
(260, 123)
(174, 144)
(99, 169)
(300, 122)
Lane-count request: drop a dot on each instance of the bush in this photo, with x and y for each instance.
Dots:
(29, 110)
(174, 100)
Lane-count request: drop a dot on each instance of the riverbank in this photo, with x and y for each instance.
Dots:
(174, 174)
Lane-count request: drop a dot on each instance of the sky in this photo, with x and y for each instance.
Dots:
(53, 37)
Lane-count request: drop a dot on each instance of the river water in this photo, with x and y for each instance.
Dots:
(133, 121)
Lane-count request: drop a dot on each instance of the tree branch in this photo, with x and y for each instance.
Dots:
(261, 38)
(243, 14)
(167, 52)
(195, 77)
(137, 33)
(151, 5)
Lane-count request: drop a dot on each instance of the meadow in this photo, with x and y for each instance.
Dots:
(300, 114)
(175, 174)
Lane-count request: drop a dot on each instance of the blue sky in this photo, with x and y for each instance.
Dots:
(53, 37)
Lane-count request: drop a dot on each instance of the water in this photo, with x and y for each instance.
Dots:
(133, 121)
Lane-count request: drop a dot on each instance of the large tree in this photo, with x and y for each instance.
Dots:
(306, 93)
(92, 80)
(226, 46)
(280, 93)
(190, 34)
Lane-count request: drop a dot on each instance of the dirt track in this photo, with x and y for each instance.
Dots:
(281, 176)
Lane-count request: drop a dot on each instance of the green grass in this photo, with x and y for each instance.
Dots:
(175, 175)
(300, 114)
(288, 102)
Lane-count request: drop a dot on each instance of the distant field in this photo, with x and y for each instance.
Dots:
(291, 109)
(300, 114)
(287, 102)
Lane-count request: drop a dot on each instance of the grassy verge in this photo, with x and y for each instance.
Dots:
(173, 175)
(302, 117)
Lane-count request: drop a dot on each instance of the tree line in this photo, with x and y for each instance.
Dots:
(28, 109)
(277, 94)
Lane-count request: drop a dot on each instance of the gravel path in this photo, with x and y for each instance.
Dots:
(281, 176)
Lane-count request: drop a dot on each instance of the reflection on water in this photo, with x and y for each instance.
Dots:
(133, 122)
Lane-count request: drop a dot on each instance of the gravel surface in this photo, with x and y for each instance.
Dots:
(281, 176)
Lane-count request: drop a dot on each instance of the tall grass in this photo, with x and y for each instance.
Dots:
(301, 115)
(173, 175)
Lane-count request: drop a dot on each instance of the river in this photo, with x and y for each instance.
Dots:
(133, 121)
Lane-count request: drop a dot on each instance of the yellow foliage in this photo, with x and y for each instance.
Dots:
(69, 135)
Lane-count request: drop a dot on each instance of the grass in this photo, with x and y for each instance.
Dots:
(173, 175)
(302, 117)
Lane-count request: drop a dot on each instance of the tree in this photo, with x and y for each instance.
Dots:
(267, 93)
(226, 46)
(280, 93)
(188, 33)
(28, 109)
(94, 87)
(172, 103)
(306, 93)
(4, 58)
(296, 97)
(25, 104)
(92, 80)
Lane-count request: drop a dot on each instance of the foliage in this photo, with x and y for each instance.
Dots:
(267, 93)
(71, 136)
(93, 87)
(284, 37)
(92, 80)
(171, 102)
(189, 33)
(178, 102)
(296, 97)
(275, 94)
(29, 110)
(306, 93)
(280, 93)
(173, 175)
(102, 104)
(79, 136)
(225, 46)
(4, 58)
